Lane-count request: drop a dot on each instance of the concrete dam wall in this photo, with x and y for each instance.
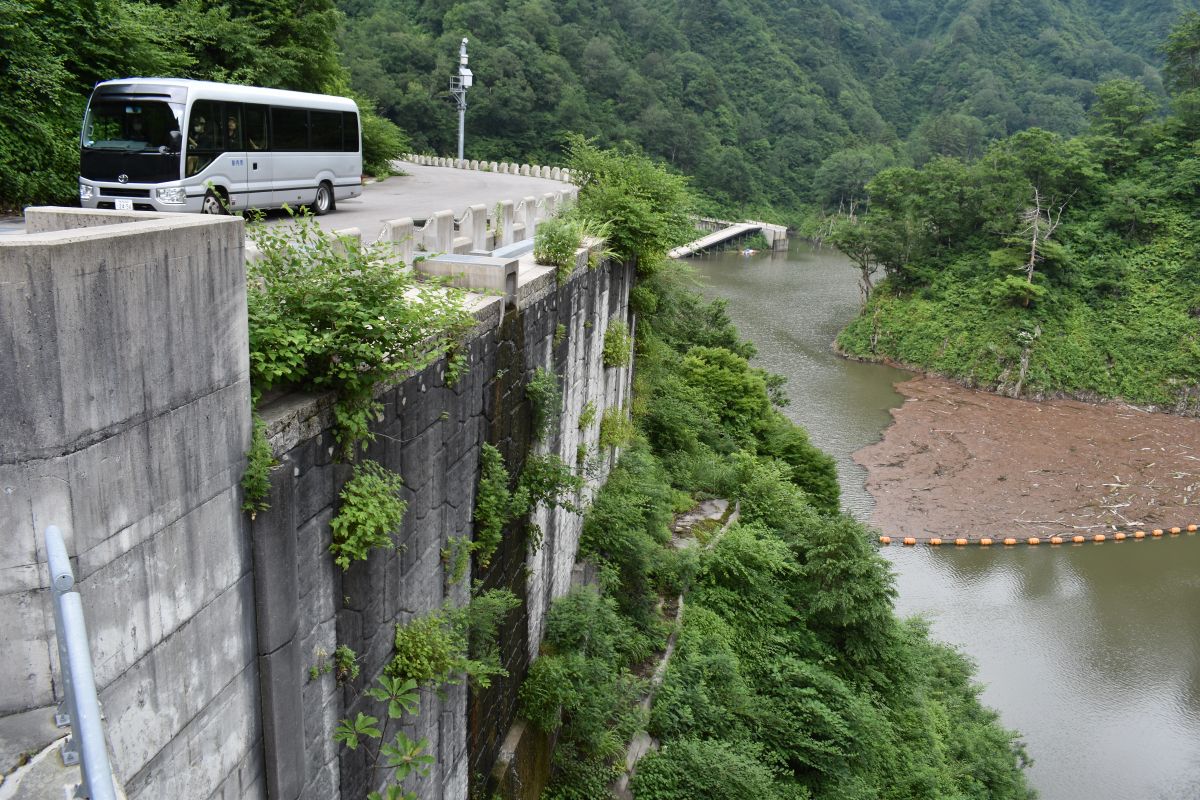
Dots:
(127, 424)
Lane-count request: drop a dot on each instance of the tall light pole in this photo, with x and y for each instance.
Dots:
(458, 89)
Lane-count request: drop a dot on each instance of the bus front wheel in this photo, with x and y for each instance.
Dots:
(323, 202)
(213, 203)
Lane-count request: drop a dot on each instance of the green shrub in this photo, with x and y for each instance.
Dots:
(382, 142)
(555, 243)
(616, 428)
(370, 513)
(687, 769)
(545, 398)
(449, 645)
(616, 344)
(493, 503)
(588, 415)
(330, 316)
(256, 480)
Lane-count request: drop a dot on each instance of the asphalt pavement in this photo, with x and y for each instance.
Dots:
(423, 192)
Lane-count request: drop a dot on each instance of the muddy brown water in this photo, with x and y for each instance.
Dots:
(1091, 651)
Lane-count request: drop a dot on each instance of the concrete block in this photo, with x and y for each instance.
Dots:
(398, 234)
(525, 170)
(276, 583)
(505, 223)
(477, 230)
(221, 740)
(25, 680)
(282, 718)
(173, 684)
(478, 273)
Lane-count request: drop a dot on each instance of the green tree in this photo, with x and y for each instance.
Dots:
(1121, 107)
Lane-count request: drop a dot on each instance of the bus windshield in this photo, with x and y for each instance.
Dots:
(131, 126)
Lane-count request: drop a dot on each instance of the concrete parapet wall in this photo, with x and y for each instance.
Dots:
(502, 167)
(126, 420)
(127, 424)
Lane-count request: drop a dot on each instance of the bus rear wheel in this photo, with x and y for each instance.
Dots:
(214, 203)
(323, 202)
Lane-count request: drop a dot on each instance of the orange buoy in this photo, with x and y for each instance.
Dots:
(1156, 532)
(985, 541)
(1140, 535)
(960, 542)
(1192, 528)
(1174, 531)
(934, 542)
(1056, 540)
(1099, 537)
(1119, 536)
(1034, 540)
(885, 540)
(909, 541)
(1010, 541)
(1078, 539)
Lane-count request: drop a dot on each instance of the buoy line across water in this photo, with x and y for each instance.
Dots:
(1011, 541)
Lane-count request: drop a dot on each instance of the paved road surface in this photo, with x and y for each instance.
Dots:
(425, 191)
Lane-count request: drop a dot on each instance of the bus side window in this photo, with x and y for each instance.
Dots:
(349, 132)
(204, 135)
(289, 129)
(232, 126)
(326, 129)
(255, 126)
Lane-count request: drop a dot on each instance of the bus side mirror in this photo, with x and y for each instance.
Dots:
(176, 137)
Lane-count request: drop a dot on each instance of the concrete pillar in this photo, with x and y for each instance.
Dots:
(346, 239)
(494, 167)
(398, 234)
(505, 223)
(527, 216)
(525, 170)
(478, 230)
(474, 164)
(443, 231)
(556, 174)
(548, 205)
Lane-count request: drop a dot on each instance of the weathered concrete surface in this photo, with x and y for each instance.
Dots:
(126, 422)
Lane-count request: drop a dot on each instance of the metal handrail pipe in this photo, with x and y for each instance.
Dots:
(80, 680)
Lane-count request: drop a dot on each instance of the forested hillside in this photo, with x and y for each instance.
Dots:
(764, 102)
(1051, 264)
(767, 104)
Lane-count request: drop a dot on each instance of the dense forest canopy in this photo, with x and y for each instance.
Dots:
(769, 105)
(764, 103)
(1050, 264)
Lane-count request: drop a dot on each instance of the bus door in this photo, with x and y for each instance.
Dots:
(259, 172)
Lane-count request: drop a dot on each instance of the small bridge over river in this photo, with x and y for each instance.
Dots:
(724, 231)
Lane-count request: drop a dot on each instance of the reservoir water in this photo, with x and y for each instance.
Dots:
(1091, 652)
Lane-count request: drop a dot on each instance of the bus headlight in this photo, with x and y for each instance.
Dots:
(86, 191)
(172, 194)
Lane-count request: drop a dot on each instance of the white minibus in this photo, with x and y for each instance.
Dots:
(162, 144)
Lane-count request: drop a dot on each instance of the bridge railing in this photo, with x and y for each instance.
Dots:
(80, 708)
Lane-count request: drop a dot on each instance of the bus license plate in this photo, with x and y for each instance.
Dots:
(124, 205)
